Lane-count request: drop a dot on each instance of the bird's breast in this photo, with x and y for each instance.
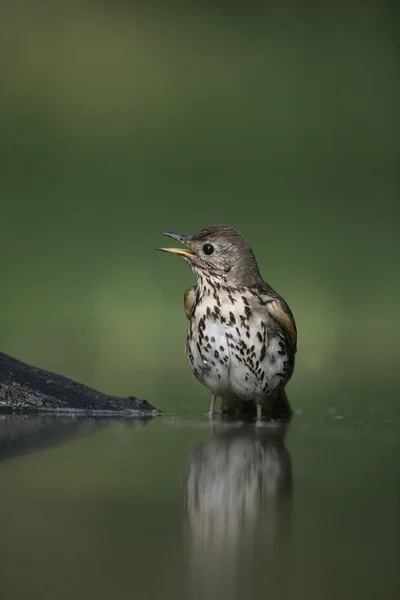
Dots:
(232, 347)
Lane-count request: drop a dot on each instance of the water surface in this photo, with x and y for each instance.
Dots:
(178, 505)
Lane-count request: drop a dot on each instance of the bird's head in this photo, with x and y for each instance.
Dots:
(219, 252)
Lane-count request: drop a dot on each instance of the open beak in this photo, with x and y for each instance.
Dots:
(185, 252)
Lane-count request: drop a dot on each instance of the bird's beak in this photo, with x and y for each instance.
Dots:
(185, 252)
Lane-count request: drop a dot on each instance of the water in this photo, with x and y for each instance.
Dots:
(120, 509)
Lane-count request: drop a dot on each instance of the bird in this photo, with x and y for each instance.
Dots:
(242, 337)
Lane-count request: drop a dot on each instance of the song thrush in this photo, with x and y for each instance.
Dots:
(241, 341)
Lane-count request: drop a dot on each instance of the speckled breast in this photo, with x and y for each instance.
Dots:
(232, 349)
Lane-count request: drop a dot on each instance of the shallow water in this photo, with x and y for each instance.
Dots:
(182, 506)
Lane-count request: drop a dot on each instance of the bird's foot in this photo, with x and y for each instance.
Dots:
(212, 410)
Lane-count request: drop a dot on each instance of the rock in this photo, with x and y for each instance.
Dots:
(24, 388)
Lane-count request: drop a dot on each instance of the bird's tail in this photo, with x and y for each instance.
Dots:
(276, 406)
(280, 407)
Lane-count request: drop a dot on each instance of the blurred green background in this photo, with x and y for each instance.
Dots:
(120, 120)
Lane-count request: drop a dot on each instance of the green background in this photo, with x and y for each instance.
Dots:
(118, 121)
(121, 120)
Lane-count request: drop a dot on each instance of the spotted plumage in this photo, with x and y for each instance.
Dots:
(241, 341)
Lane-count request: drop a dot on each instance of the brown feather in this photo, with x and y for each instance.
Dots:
(279, 311)
(189, 298)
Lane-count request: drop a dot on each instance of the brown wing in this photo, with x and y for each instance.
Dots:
(281, 313)
(189, 298)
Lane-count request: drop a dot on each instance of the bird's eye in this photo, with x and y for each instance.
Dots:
(208, 249)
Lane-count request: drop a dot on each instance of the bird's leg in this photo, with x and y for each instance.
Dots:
(212, 405)
(259, 412)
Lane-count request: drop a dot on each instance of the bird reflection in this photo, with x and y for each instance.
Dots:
(238, 500)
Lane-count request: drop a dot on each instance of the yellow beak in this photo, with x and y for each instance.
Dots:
(185, 252)
(179, 251)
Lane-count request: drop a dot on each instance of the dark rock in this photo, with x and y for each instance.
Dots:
(24, 388)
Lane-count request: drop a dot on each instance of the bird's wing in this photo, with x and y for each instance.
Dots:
(188, 300)
(281, 314)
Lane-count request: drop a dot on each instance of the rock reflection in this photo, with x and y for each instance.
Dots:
(22, 434)
(238, 499)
